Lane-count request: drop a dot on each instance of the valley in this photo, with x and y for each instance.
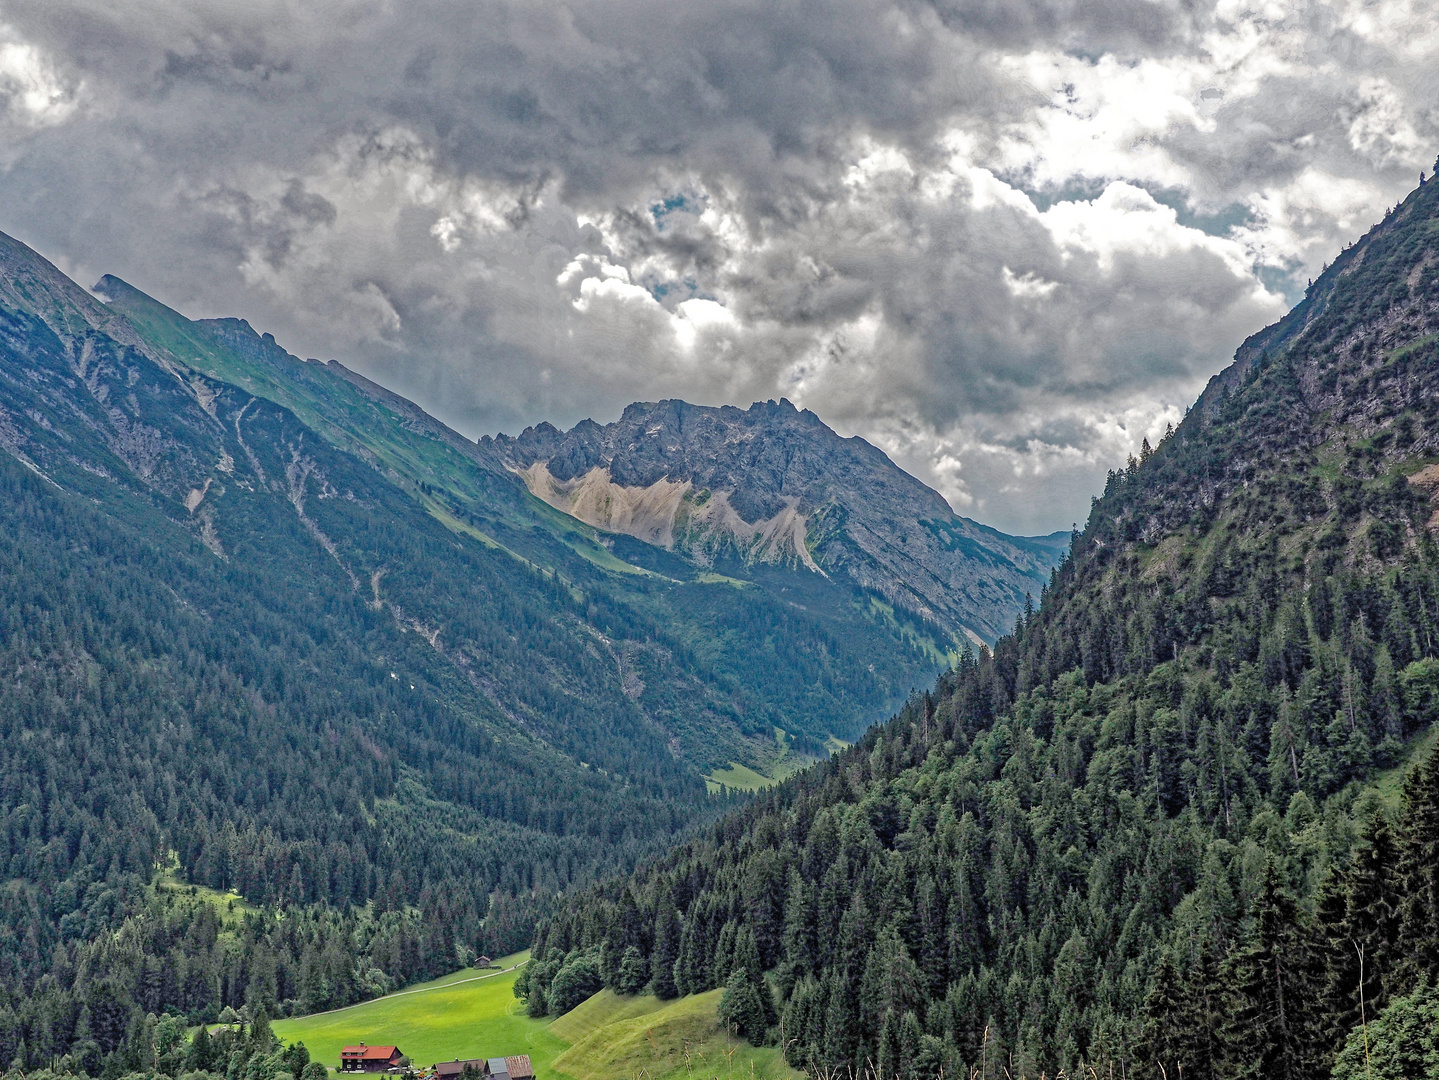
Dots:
(312, 697)
(310, 701)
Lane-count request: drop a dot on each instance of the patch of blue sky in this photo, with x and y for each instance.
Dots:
(1214, 222)
(673, 292)
(678, 203)
(1283, 280)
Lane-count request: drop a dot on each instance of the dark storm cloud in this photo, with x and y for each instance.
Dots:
(525, 211)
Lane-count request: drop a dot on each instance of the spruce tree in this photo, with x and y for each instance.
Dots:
(911, 1043)
(722, 962)
(841, 1021)
(633, 972)
(1162, 1039)
(799, 945)
(1201, 1017)
(1418, 874)
(741, 1007)
(200, 1057)
(1268, 1033)
(690, 969)
(889, 1054)
(666, 951)
(1372, 912)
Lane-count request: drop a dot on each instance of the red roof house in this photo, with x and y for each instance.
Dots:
(369, 1059)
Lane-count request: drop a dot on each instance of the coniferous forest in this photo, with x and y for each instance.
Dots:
(1183, 820)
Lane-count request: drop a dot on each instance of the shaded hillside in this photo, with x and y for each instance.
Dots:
(1139, 834)
(773, 485)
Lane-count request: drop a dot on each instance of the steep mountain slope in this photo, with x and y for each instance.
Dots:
(772, 485)
(1138, 836)
(721, 667)
(197, 583)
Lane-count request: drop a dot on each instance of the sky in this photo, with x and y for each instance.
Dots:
(1003, 240)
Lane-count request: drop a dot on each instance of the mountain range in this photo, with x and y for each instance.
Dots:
(307, 696)
(268, 627)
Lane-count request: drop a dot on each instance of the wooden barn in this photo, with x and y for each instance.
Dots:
(510, 1068)
(369, 1059)
(451, 1070)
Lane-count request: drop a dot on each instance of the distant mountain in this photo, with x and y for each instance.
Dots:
(773, 485)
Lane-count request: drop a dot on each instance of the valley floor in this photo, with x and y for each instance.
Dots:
(474, 1013)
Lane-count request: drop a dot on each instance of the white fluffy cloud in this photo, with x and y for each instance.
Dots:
(1005, 242)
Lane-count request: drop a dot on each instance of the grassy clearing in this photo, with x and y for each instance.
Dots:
(740, 778)
(781, 764)
(706, 577)
(467, 1014)
(231, 906)
(1390, 783)
(642, 1038)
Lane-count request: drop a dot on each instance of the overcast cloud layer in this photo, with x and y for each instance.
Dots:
(1004, 240)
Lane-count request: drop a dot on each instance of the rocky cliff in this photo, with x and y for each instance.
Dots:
(773, 484)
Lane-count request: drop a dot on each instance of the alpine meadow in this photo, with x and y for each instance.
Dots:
(720, 735)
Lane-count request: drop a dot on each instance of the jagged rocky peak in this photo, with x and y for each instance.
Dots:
(765, 458)
(775, 484)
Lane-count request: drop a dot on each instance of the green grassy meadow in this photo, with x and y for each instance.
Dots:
(643, 1038)
(608, 1037)
(462, 1015)
(779, 764)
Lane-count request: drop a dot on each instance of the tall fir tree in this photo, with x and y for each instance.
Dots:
(1418, 874)
(1269, 1031)
(666, 952)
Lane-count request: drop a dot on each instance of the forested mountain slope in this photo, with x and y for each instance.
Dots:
(773, 486)
(719, 666)
(1139, 834)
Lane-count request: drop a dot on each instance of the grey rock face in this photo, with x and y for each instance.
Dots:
(774, 484)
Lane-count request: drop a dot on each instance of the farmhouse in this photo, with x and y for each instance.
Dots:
(370, 1059)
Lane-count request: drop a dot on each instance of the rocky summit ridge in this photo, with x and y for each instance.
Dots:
(773, 484)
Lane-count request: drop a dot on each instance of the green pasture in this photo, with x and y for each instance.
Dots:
(643, 1038)
(779, 764)
(609, 1037)
(470, 1013)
